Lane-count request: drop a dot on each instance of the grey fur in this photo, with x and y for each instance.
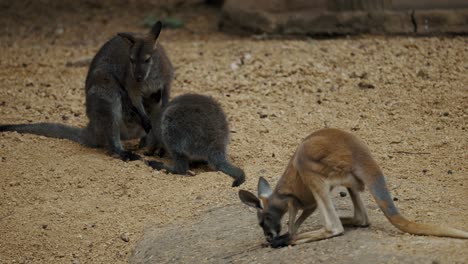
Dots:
(129, 78)
(191, 128)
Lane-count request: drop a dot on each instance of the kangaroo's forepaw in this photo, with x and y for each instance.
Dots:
(129, 156)
(146, 124)
(148, 153)
(281, 241)
(161, 152)
(142, 142)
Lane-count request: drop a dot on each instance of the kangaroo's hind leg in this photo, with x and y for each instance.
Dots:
(104, 110)
(360, 218)
(181, 165)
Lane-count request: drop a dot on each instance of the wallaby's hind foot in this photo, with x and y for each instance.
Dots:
(220, 163)
(181, 166)
(157, 165)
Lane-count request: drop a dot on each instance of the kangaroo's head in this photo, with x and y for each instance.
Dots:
(141, 51)
(270, 208)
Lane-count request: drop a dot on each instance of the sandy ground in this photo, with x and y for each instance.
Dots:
(406, 97)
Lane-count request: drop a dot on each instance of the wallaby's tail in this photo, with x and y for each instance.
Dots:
(47, 129)
(379, 191)
(220, 163)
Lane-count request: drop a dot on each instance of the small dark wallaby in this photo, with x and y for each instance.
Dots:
(192, 128)
(129, 78)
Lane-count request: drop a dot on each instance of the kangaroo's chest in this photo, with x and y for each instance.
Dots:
(152, 84)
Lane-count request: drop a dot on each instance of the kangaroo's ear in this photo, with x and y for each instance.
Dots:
(249, 199)
(264, 189)
(155, 31)
(127, 37)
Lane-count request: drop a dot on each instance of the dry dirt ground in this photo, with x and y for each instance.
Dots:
(406, 97)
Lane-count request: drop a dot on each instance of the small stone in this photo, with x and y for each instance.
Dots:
(445, 114)
(365, 86)
(14, 183)
(65, 118)
(343, 194)
(424, 171)
(263, 115)
(395, 199)
(125, 237)
(234, 66)
(76, 261)
(44, 226)
(449, 172)
(423, 74)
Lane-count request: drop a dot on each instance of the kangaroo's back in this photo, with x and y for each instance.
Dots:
(342, 149)
(198, 118)
(110, 60)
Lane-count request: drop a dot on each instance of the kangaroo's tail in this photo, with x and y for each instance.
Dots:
(220, 163)
(379, 191)
(47, 129)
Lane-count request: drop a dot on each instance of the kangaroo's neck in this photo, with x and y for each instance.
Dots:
(291, 185)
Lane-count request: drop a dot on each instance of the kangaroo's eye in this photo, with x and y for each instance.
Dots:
(132, 60)
(148, 59)
(262, 223)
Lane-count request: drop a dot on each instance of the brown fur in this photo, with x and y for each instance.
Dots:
(325, 159)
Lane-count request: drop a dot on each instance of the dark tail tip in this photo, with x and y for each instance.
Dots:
(4, 128)
(235, 172)
(221, 164)
(240, 180)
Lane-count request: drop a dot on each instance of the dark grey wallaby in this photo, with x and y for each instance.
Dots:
(193, 128)
(128, 79)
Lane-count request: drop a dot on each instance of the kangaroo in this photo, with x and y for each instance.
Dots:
(129, 76)
(193, 128)
(325, 159)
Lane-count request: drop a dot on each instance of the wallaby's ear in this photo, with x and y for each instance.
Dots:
(155, 31)
(249, 199)
(127, 37)
(264, 189)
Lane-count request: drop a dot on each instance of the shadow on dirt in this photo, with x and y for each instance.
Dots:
(230, 235)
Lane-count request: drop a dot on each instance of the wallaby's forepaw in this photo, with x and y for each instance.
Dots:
(161, 152)
(142, 142)
(238, 181)
(155, 164)
(281, 241)
(146, 123)
(129, 156)
(148, 153)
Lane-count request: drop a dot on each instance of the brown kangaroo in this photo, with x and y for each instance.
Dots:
(325, 159)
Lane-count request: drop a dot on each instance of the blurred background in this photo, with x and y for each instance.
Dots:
(303, 17)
